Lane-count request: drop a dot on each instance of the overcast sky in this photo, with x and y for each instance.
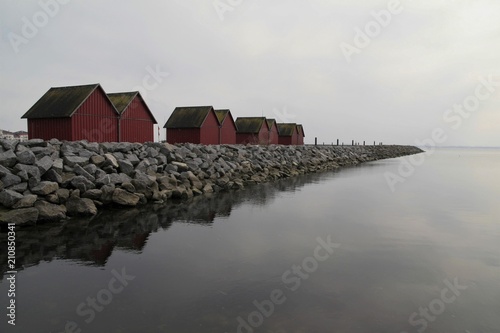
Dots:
(348, 69)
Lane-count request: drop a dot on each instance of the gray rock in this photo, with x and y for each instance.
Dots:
(94, 194)
(44, 164)
(78, 206)
(4, 171)
(181, 166)
(26, 157)
(82, 172)
(113, 179)
(32, 171)
(97, 160)
(21, 187)
(9, 198)
(63, 194)
(26, 202)
(70, 148)
(124, 198)
(195, 182)
(133, 159)
(50, 212)
(92, 146)
(8, 159)
(9, 144)
(76, 160)
(45, 188)
(208, 189)
(107, 193)
(111, 160)
(34, 143)
(126, 166)
(19, 216)
(10, 179)
(53, 176)
(128, 187)
(58, 165)
(91, 169)
(82, 183)
(52, 198)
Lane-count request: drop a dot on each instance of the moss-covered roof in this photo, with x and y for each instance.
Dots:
(60, 102)
(250, 124)
(122, 100)
(286, 129)
(188, 117)
(270, 122)
(221, 115)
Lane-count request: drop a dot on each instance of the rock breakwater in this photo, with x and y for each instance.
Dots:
(53, 180)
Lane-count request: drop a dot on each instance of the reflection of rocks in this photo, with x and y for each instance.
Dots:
(93, 240)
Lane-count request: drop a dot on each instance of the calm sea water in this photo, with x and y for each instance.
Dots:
(425, 258)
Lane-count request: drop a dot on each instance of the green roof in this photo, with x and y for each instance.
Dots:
(250, 124)
(122, 100)
(221, 115)
(270, 122)
(61, 102)
(286, 129)
(188, 117)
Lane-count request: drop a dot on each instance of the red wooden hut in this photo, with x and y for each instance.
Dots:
(74, 113)
(287, 134)
(253, 130)
(136, 122)
(301, 135)
(273, 132)
(227, 132)
(193, 124)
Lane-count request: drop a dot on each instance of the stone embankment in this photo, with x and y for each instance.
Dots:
(53, 180)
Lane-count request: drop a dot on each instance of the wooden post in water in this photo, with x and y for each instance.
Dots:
(337, 142)
(315, 141)
(353, 142)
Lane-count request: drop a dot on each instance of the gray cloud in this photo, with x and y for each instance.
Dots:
(263, 56)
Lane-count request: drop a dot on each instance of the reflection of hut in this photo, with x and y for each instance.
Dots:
(193, 124)
(136, 120)
(74, 113)
(273, 132)
(227, 133)
(288, 134)
(253, 130)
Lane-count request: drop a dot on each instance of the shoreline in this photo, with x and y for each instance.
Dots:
(53, 180)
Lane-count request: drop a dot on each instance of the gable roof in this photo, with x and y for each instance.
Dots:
(250, 124)
(300, 128)
(221, 115)
(270, 122)
(61, 102)
(188, 117)
(122, 101)
(286, 129)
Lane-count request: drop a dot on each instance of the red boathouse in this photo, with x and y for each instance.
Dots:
(227, 132)
(136, 119)
(193, 124)
(73, 113)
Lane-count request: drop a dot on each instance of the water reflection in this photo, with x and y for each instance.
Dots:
(92, 241)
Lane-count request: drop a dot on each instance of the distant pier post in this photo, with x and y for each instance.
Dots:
(316, 141)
